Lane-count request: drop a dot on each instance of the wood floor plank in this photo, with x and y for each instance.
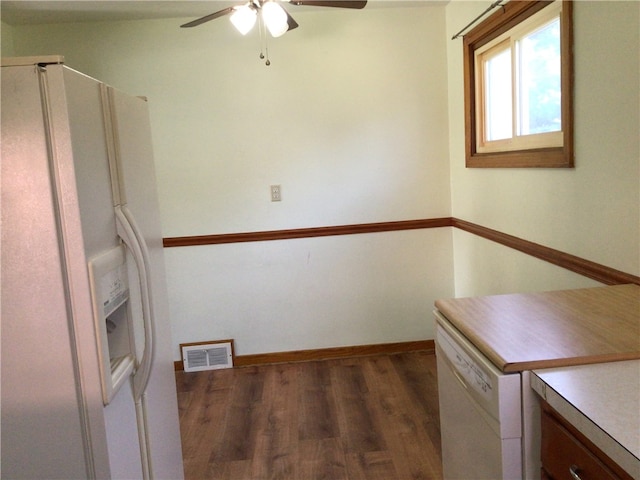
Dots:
(243, 413)
(419, 373)
(388, 397)
(317, 410)
(390, 408)
(412, 450)
(276, 445)
(321, 459)
(370, 466)
(359, 429)
(233, 470)
(205, 411)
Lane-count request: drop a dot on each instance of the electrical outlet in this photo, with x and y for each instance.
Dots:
(276, 193)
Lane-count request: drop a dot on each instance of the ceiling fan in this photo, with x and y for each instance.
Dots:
(270, 14)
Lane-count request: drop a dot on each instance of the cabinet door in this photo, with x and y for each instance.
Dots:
(562, 454)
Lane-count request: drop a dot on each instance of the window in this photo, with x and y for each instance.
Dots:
(518, 87)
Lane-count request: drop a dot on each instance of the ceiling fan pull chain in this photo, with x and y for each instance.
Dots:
(266, 48)
(260, 30)
(263, 41)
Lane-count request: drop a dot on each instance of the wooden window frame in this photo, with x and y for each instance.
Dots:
(508, 16)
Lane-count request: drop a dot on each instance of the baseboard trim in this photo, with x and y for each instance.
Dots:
(329, 353)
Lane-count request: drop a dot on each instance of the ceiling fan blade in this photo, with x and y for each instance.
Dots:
(331, 3)
(291, 22)
(208, 18)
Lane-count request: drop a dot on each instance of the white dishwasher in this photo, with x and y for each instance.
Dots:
(480, 411)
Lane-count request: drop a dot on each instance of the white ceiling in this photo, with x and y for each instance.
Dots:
(57, 11)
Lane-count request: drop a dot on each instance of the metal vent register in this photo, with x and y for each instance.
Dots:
(207, 356)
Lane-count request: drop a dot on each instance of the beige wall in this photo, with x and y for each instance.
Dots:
(592, 211)
(359, 118)
(6, 39)
(350, 119)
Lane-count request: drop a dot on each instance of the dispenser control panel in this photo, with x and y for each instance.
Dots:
(114, 286)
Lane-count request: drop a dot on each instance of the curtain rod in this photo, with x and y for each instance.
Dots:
(491, 7)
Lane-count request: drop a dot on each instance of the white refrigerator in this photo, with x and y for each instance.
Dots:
(88, 388)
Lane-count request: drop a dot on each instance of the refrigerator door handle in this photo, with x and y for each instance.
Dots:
(128, 230)
(130, 233)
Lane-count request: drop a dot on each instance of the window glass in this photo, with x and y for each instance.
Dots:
(497, 95)
(539, 85)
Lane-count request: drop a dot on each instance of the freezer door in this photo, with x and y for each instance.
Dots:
(52, 422)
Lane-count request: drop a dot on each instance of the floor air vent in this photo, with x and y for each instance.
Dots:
(212, 355)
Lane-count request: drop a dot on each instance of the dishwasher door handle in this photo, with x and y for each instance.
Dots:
(460, 379)
(454, 370)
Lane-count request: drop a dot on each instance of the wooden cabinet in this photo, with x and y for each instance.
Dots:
(567, 454)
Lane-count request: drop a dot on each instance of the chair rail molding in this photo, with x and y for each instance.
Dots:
(587, 268)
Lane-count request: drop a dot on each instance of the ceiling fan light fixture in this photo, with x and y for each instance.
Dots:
(244, 18)
(275, 18)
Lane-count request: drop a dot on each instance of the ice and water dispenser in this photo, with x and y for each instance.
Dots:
(111, 298)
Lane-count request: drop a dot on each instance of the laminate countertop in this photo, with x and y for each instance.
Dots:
(602, 401)
(528, 331)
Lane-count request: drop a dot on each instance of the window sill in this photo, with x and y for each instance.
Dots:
(557, 157)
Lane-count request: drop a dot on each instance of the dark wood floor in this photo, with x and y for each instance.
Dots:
(358, 418)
